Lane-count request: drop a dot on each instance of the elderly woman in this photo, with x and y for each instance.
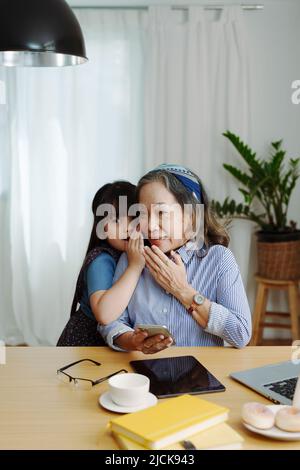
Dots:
(197, 293)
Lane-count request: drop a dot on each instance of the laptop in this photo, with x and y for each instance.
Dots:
(277, 382)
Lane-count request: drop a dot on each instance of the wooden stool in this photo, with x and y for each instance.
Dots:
(260, 312)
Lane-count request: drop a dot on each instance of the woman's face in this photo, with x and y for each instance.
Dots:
(163, 224)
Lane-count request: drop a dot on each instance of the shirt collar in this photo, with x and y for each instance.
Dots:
(188, 250)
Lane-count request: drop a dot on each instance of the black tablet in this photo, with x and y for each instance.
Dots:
(174, 376)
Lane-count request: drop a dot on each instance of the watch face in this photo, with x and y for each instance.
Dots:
(198, 299)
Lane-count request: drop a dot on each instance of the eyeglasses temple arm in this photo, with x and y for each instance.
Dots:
(77, 362)
(96, 382)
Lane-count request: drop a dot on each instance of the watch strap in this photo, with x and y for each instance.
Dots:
(192, 307)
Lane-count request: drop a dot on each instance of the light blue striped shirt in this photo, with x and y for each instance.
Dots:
(216, 276)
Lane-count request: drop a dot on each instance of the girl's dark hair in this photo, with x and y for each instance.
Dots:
(215, 233)
(109, 194)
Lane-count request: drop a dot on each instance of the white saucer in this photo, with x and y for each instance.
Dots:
(274, 432)
(106, 401)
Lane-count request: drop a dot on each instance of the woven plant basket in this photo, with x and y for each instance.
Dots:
(280, 261)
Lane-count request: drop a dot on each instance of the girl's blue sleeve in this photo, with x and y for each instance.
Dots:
(100, 273)
(116, 328)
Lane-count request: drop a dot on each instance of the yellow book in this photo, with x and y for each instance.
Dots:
(219, 437)
(170, 421)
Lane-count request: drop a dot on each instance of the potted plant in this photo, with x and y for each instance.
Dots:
(267, 186)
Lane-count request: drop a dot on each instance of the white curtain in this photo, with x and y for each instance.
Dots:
(8, 327)
(196, 87)
(70, 131)
(160, 86)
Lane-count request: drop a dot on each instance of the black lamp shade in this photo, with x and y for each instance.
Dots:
(40, 33)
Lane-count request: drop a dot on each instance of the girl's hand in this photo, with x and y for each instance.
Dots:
(170, 275)
(135, 251)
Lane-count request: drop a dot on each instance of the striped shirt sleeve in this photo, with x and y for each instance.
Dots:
(230, 316)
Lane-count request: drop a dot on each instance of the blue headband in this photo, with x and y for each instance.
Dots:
(184, 176)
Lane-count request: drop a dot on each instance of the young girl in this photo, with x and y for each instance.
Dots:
(99, 301)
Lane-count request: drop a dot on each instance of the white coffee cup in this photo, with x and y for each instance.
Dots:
(128, 389)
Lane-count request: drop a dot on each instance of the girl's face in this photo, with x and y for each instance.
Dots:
(117, 233)
(163, 224)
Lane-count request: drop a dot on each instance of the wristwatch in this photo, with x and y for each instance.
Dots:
(198, 299)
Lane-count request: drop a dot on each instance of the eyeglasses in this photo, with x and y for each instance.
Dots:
(79, 383)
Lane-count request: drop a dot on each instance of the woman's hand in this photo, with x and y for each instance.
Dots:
(170, 275)
(135, 251)
(138, 340)
(149, 345)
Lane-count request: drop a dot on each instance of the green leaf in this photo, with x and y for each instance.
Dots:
(247, 195)
(276, 145)
(245, 152)
(238, 174)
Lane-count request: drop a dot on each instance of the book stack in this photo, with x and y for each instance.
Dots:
(173, 421)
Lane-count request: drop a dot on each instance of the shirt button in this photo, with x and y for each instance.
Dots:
(165, 310)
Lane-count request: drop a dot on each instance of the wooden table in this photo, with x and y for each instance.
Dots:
(39, 412)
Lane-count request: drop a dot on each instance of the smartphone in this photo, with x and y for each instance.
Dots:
(153, 330)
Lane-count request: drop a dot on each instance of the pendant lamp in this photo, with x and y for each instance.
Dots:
(40, 33)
